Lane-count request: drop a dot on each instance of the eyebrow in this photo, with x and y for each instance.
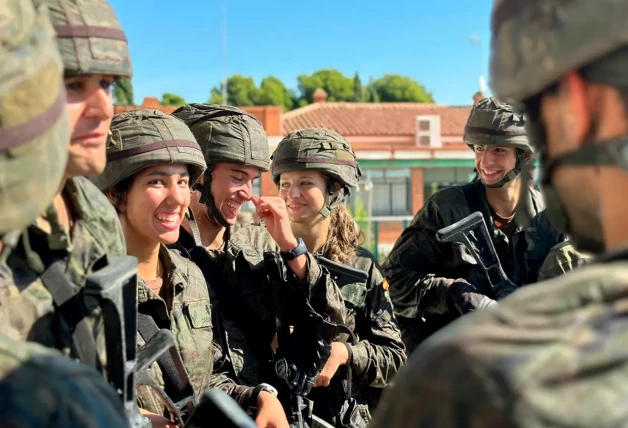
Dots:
(241, 171)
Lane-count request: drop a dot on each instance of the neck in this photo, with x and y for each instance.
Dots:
(613, 209)
(212, 233)
(314, 235)
(504, 200)
(147, 253)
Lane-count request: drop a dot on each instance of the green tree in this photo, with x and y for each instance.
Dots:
(122, 92)
(358, 90)
(168, 99)
(338, 86)
(273, 92)
(241, 91)
(397, 88)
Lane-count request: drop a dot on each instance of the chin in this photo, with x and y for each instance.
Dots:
(169, 238)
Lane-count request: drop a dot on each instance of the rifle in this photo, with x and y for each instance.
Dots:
(487, 259)
(115, 289)
(302, 352)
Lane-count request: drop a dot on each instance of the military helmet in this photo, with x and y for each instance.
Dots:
(316, 149)
(90, 38)
(227, 134)
(34, 128)
(143, 138)
(493, 123)
(533, 44)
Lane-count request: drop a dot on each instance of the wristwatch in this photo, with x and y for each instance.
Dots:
(256, 392)
(293, 254)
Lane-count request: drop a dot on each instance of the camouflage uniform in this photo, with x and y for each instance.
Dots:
(552, 354)
(141, 139)
(562, 258)
(378, 352)
(420, 269)
(38, 387)
(90, 42)
(243, 329)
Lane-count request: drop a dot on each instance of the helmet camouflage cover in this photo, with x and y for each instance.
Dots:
(492, 123)
(90, 38)
(143, 138)
(227, 134)
(316, 149)
(34, 130)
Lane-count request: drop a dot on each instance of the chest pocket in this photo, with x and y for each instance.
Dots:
(199, 315)
(352, 282)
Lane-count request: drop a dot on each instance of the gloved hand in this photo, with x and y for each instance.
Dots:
(466, 298)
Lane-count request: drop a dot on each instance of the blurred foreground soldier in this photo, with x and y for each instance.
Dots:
(432, 283)
(553, 354)
(39, 387)
(80, 231)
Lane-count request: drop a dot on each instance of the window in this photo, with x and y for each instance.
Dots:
(389, 195)
(435, 179)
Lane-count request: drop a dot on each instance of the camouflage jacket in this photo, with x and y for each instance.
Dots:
(561, 259)
(240, 357)
(96, 236)
(39, 387)
(188, 317)
(420, 269)
(551, 355)
(378, 352)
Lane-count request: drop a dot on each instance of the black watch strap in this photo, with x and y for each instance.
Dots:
(293, 254)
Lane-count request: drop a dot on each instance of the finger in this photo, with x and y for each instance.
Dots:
(255, 199)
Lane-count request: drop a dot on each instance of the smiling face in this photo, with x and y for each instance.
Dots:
(155, 204)
(305, 194)
(90, 108)
(493, 163)
(231, 187)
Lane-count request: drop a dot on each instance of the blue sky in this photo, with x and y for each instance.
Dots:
(176, 45)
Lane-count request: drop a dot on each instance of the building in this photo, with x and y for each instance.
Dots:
(407, 151)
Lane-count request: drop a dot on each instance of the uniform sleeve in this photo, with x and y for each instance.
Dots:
(325, 295)
(419, 269)
(380, 353)
(442, 386)
(223, 382)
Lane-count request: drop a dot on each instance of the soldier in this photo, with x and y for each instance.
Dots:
(236, 151)
(432, 283)
(38, 386)
(80, 231)
(314, 170)
(553, 354)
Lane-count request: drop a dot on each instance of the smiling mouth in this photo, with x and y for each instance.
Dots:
(171, 219)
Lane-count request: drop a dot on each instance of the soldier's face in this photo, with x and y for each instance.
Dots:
(90, 107)
(155, 205)
(305, 194)
(493, 163)
(567, 125)
(232, 186)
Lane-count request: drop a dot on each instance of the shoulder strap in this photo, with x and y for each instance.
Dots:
(176, 381)
(70, 305)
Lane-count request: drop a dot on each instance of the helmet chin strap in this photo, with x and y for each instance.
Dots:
(335, 199)
(208, 199)
(512, 174)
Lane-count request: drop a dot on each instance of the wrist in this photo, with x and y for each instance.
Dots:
(288, 245)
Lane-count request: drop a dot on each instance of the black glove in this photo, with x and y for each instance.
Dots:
(466, 298)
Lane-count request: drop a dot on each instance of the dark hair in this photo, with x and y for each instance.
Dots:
(344, 236)
(120, 191)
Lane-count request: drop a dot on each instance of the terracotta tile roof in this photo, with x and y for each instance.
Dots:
(375, 119)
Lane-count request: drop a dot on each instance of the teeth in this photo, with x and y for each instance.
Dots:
(489, 172)
(233, 205)
(168, 218)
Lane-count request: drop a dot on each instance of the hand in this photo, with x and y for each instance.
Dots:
(275, 215)
(466, 298)
(270, 413)
(158, 421)
(339, 357)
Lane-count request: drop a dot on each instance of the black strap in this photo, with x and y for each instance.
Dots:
(69, 303)
(176, 381)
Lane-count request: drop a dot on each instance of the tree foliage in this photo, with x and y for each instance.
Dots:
(168, 99)
(122, 92)
(242, 90)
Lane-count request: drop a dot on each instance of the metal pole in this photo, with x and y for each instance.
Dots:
(224, 54)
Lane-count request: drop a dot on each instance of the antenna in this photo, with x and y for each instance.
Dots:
(224, 52)
(475, 39)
